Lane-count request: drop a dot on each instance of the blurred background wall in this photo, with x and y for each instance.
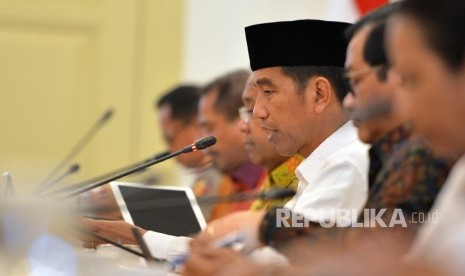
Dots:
(63, 63)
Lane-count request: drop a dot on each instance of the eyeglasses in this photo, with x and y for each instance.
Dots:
(245, 114)
(353, 77)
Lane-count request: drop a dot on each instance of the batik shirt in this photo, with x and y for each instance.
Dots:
(282, 177)
(404, 173)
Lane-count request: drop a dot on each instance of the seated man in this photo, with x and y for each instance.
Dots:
(218, 116)
(427, 49)
(299, 105)
(177, 110)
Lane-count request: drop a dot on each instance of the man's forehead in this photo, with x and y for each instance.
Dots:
(208, 114)
(164, 110)
(207, 102)
(266, 76)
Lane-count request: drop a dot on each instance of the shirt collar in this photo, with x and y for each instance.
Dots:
(343, 136)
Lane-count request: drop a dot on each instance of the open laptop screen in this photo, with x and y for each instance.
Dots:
(168, 210)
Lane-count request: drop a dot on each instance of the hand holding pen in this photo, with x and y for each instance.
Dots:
(232, 241)
(210, 260)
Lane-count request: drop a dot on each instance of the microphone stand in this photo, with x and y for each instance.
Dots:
(198, 145)
(125, 173)
(79, 146)
(71, 170)
(105, 176)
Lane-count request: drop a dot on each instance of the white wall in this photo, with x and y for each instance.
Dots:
(214, 39)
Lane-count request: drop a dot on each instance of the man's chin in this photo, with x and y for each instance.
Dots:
(365, 135)
(256, 159)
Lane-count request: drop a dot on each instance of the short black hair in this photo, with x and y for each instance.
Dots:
(229, 90)
(335, 75)
(374, 51)
(183, 101)
(377, 16)
(443, 23)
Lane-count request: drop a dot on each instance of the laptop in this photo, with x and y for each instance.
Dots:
(164, 209)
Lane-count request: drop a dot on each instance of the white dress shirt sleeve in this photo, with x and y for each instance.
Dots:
(162, 245)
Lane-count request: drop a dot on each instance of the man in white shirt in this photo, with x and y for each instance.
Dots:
(298, 69)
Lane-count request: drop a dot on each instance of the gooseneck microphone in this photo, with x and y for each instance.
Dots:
(79, 146)
(198, 145)
(106, 175)
(71, 170)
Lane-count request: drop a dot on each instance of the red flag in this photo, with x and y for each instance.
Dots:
(365, 6)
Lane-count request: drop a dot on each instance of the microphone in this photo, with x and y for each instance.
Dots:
(107, 175)
(198, 145)
(80, 145)
(71, 170)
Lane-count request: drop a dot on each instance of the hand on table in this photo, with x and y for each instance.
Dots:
(115, 230)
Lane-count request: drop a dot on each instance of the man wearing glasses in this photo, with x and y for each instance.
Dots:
(403, 171)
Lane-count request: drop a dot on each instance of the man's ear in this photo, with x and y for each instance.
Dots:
(323, 94)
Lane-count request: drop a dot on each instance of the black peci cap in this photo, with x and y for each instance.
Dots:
(296, 43)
